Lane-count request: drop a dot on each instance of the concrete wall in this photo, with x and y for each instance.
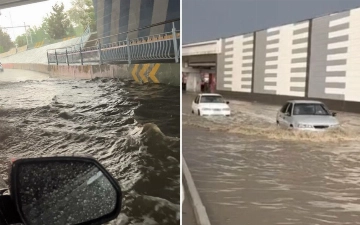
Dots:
(117, 16)
(164, 73)
(13, 51)
(37, 55)
(317, 58)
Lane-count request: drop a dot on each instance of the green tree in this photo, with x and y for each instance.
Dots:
(58, 23)
(82, 14)
(20, 40)
(38, 34)
(5, 41)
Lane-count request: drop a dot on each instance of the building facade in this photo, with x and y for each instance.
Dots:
(115, 17)
(316, 58)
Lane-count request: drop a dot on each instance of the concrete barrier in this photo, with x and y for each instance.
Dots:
(164, 73)
(199, 209)
(13, 51)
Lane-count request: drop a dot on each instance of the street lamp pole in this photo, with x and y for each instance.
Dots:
(26, 35)
(11, 23)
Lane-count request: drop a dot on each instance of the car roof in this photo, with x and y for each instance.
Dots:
(209, 94)
(305, 101)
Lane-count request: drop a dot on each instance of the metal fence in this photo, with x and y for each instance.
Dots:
(159, 47)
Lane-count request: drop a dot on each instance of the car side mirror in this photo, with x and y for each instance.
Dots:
(287, 114)
(227, 102)
(334, 114)
(64, 190)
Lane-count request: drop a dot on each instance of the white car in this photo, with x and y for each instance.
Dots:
(210, 104)
(306, 115)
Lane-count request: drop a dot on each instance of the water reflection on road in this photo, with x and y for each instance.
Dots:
(250, 172)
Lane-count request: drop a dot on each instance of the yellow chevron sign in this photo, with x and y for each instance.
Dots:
(153, 72)
(142, 73)
(133, 72)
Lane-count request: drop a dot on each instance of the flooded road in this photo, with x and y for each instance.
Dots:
(133, 130)
(250, 172)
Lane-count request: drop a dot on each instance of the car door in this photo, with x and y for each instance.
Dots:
(281, 114)
(288, 115)
(195, 104)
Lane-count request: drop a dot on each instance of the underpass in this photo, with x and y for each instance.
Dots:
(249, 171)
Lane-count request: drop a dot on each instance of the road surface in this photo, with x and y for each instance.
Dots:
(249, 172)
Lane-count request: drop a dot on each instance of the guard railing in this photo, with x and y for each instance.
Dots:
(153, 48)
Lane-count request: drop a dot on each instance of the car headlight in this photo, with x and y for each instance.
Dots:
(205, 109)
(300, 125)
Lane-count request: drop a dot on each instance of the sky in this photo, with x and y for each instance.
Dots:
(31, 14)
(204, 20)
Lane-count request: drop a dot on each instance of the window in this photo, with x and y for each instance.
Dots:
(289, 109)
(212, 99)
(310, 109)
(283, 109)
(197, 99)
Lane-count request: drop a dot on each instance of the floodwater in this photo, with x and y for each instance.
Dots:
(133, 130)
(250, 172)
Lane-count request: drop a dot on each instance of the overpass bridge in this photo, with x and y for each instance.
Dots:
(13, 3)
(199, 58)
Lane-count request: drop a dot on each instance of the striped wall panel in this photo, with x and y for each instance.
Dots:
(335, 61)
(281, 60)
(237, 63)
(318, 58)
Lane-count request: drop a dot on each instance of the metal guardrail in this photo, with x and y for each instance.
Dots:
(85, 36)
(164, 46)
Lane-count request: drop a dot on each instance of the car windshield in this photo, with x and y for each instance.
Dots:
(211, 99)
(310, 109)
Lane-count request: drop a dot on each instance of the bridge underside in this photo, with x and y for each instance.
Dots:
(200, 61)
(13, 3)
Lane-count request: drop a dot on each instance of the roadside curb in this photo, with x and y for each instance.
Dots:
(199, 209)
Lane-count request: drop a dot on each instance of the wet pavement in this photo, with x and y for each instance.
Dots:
(248, 171)
(133, 130)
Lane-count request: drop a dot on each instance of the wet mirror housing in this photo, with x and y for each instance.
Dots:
(64, 190)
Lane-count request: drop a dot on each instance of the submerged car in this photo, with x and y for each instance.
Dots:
(210, 104)
(306, 115)
(1, 68)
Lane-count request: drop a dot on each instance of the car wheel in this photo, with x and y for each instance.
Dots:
(277, 123)
(199, 113)
(192, 111)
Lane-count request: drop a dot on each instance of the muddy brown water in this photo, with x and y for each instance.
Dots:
(133, 130)
(250, 172)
